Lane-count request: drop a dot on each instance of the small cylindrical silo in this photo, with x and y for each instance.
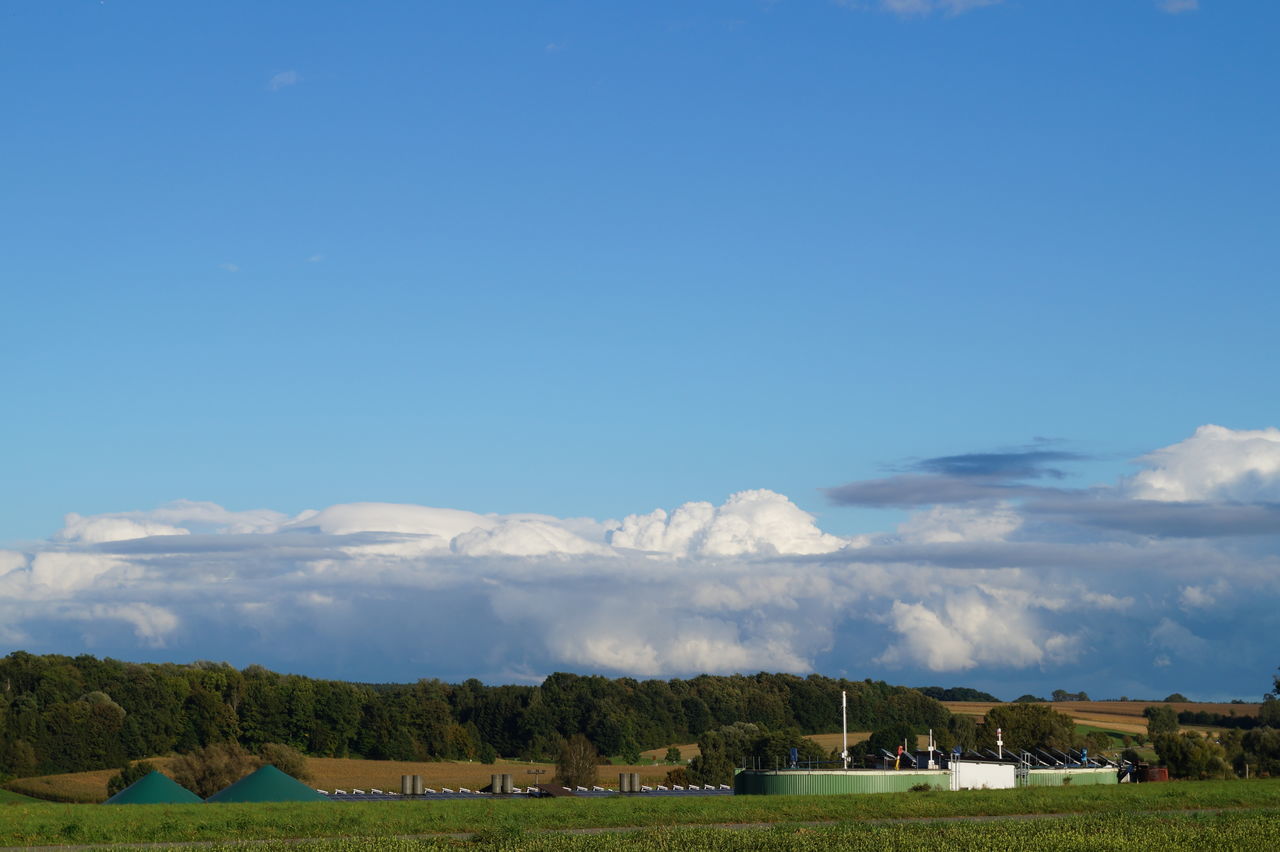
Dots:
(406, 785)
(417, 785)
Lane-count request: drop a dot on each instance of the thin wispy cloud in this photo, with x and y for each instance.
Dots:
(315, 258)
(1178, 7)
(229, 267)
(918, 8)
(283, 80)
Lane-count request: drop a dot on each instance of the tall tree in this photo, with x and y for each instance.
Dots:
(577, 763)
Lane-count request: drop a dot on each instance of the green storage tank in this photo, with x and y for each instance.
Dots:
(831, 782)
(1074, 777)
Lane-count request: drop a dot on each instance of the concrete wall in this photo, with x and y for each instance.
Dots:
(975, 775)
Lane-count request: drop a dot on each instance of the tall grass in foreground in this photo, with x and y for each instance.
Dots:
(1225, 831)
(40, 824)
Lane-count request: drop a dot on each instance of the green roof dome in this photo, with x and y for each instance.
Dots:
(268, 784)
(153, 789)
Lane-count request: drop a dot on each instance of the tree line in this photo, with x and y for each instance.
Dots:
(67, 714)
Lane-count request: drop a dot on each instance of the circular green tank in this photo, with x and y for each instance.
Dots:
(828, 782)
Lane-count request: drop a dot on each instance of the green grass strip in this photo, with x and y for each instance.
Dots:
(40, 824)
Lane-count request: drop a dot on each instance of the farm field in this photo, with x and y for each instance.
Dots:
(1123, 716)
(1226, 831)
(329, 773)
(47, 823)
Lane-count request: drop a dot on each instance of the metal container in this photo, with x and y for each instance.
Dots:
(825, 782)
(406, 785)
(417, 785)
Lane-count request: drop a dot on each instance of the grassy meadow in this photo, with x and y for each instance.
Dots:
(48, 823)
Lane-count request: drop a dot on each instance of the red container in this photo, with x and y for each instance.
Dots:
(1155, 773)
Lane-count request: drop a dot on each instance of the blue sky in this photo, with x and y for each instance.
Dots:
(586, 260)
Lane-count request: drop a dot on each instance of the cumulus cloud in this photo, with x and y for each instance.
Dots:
(1214, 464)
(966, 631)
(1029, 584)
(750, 522)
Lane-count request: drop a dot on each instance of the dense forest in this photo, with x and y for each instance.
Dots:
(64, 714)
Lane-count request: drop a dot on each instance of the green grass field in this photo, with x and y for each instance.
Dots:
(8, 797)
(1224, 831)
(47, 823)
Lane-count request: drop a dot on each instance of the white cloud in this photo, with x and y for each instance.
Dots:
(1178, 7)
(151, 624)
(750, 522)
(349, 518)
(525, 538)
(960, 523)
(284, 79)
(59, 572)
(1214, 464)
(229, 267)
(966, 631)
(11, 560)
(101, 528)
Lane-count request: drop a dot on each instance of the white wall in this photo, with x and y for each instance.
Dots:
(972, 775)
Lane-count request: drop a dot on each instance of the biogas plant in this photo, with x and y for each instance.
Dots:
(932, 769)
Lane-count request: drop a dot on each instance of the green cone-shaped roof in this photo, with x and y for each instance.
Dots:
(268, 784)
(153, 789)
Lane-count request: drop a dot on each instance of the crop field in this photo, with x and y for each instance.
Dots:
(1249, 807)
(1121, 716)
(1219, 831)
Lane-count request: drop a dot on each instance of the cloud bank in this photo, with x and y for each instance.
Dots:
(1163, 580)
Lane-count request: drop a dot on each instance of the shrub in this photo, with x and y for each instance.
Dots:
(128, 774)
(576, 766)
(288, 760)
(207, 770)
